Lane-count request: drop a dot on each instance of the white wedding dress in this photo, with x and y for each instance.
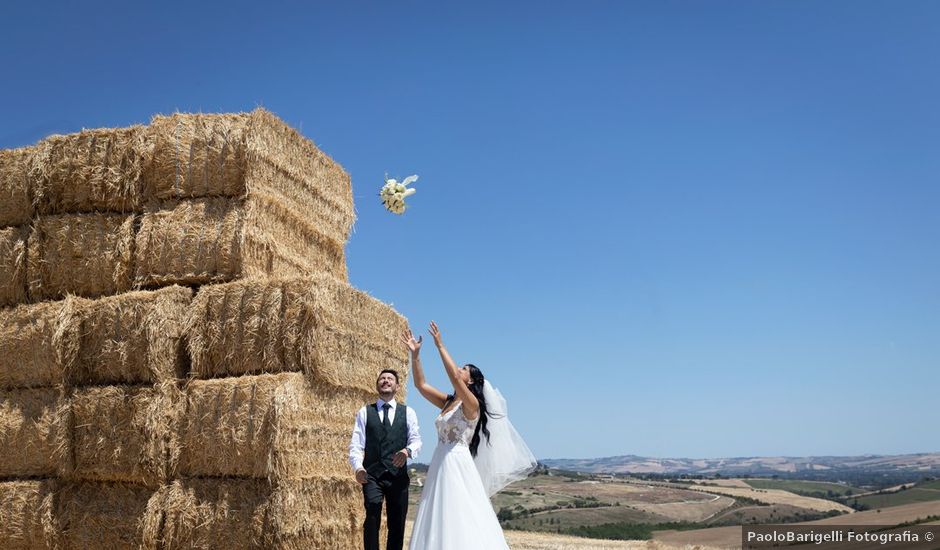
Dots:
(455, 512)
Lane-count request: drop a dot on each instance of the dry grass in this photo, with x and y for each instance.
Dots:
(131, 338)
(28, 352)
(13, 256)
(125, 433)
(16, 203)
(84, 254)
(90, 171)
(26, 515)
(886, 516)
(522, 540)
(719, 537)
(268, 426)
(33, 433)
(240, 513)
(776, 496)
(335, 333)
(690, 511)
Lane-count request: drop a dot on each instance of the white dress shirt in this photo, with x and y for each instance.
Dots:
(357, 446)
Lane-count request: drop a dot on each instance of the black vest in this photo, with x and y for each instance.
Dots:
(382, 444)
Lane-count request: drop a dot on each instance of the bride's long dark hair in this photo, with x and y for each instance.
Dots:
(476, 388)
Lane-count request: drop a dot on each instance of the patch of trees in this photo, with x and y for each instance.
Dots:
(626, 531)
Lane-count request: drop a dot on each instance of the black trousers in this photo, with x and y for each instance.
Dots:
(394, 491)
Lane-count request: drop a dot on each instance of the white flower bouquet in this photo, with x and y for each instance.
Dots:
(394, 193)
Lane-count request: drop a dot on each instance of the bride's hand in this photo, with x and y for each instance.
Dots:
(436, 334)
(408, 338)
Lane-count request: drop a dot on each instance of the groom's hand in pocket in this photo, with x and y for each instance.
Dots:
(361, 477)
(400, 458)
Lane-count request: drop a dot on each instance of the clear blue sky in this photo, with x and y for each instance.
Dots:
(663, 228)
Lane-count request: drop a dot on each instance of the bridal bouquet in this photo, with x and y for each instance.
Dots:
(393, 193)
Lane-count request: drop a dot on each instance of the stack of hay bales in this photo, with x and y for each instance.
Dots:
(181, 355)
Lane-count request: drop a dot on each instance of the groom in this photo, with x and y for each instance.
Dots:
(384, 438)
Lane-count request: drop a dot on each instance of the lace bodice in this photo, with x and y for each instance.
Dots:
(453, 427)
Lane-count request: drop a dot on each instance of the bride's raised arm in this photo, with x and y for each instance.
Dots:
(470, 404)
(432, 394)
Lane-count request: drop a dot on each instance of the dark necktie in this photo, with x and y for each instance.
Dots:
(385, 421)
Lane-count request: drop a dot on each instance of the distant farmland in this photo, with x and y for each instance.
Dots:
(776, 496)
(924, 492)
(807, 488)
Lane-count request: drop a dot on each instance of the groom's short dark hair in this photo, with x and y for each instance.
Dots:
(392, 371)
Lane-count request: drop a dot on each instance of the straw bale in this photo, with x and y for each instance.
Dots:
(274, 426)
(33, 432)
(84, 254)
(196, 156)
(92, 170)
(201, 513)
(339, 335)
(356, 336)
(306, 176)
(28, 348)
(13, 254)
(26, 515)
(248, 327)
(16, 206)
(136, 337)
(189, 242)
(108, 515)
(220, 239)
(240, 155)
(125, 433)
(284, 242)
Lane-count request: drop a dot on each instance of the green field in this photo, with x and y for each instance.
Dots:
(935, 484)
(905, 496)
(819, 489)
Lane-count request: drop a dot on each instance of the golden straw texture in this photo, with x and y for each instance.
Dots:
(93, 170)
(107, 515)
(130, 338)
(267, 426)
(125, 433)
(212, 240)
(84, 254)
(28, 351)
(209, 513)
(16, 206)
(33, 432)
(13, 255)
(337, 334)
(26, 515)
(239, 155)
(189, 242)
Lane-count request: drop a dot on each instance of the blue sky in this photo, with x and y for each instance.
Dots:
(663, 228)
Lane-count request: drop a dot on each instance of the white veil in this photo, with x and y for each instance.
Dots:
(505, 457)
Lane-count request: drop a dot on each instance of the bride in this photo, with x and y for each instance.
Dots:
(455, 511)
